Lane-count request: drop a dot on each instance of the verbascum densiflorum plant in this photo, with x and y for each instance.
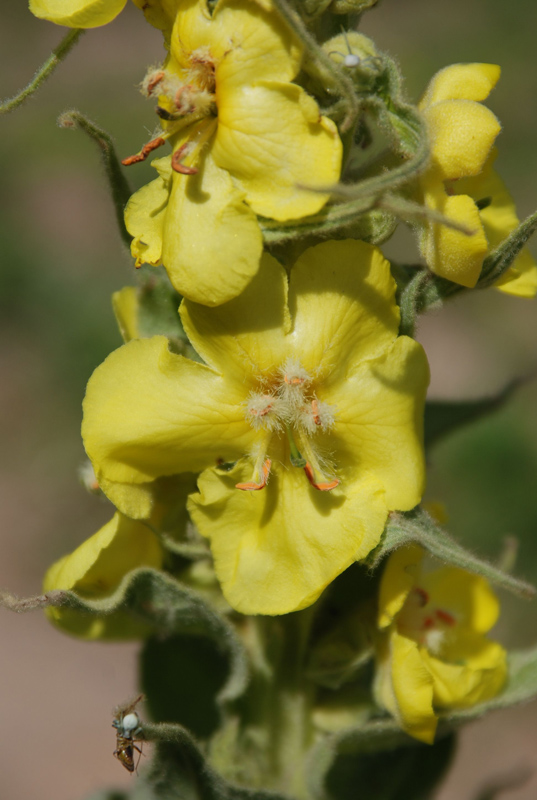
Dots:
(305, 421)
(432, 651)
(461, 184)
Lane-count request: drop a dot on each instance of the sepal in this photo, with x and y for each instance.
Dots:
(418, 527)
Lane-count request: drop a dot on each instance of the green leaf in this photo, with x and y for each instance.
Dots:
(118, 185)
(166, 607)
(181, 678)
(504, 255)
(410, 772)
(444, 417)
(181, 772)
(417, 526)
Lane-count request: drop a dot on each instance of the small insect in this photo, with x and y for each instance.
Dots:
(127, 725)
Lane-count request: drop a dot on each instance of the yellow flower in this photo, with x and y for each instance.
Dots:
(306, 422)
(77, 13)
(95, 570)
(462, 132)
(245, 140)
(432, 653)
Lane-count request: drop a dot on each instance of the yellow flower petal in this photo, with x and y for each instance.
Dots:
(467, 596)
(246, 337)
(95, 570)
(379, 420)
(461, 82)
(275, 550)
(264, 47)
(272, 139)
(77, 13)
(449, 253)
(412, 689)
(342, 297)
(499, 218)
(400, 575)
(145, 214)
(476, 672)
(149, 412)
(212, 243)
(125, 305)
(462, 133)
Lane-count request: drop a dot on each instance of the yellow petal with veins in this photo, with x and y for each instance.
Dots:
(77, 13)
(247, 42)
(275, 550)
(95, 569)
(342, 299)
(379, 420)
(212, 243)
(273, 140)
(246, 337)
(149, 412)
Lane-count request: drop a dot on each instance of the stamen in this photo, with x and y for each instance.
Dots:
(176, 162)
(253, 486)
(201, 135)
(445, 617)
(297, 460)
(322, 486)
(145, 151)
(154, 81)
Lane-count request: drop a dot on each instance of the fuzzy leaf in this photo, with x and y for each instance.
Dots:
(503, 256)
(168, 608)
(443, 417)
(181, 772)
(417, 526)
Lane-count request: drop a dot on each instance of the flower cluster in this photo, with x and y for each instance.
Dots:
(276, 431)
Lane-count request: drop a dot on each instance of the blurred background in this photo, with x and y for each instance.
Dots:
(61, 257)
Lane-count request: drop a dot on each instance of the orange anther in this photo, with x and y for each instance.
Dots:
(176, 162)
(293, 381)
(251, 486)
(155, 80)
(428, 623)
(445, 617)
(315, 411)
(144, 152)
(324, 486)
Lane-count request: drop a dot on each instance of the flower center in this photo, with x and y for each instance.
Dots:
(424, 622)
(287, 404)
(185, 98)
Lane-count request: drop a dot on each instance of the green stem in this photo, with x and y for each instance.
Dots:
(118, 184)
(344, 84)
(44, 72)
